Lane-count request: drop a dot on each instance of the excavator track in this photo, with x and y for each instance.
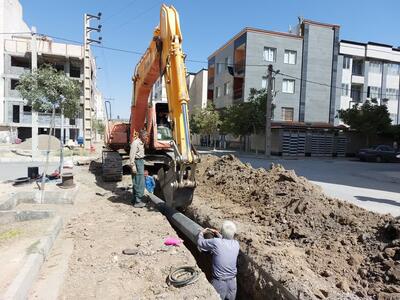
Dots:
(111, 166)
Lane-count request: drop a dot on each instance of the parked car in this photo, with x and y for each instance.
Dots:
(379, 153)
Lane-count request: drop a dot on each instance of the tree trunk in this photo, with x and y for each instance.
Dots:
(47, 155)
(255, 138)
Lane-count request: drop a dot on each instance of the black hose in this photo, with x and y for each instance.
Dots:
(183, 276)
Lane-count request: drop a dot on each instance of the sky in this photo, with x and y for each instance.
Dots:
(206, 25)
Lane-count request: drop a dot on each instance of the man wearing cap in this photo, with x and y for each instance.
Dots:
(136, 157)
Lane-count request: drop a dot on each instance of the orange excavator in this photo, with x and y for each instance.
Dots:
(170, 155)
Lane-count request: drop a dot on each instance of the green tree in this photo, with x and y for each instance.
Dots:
(369, 119)
(248, 117)
(205, 121)
(47, 90)
(98, 125)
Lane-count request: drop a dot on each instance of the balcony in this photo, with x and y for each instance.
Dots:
(359, 79)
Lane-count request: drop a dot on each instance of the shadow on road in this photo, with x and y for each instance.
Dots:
(119, 194)
(377, 200)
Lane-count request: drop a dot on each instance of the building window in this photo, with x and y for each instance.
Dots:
(290, 57)
(21, 62)
(219, 68)
(392, 94)
(358, 67)
(288, 86)
(264, 82)
(287, 114)
(345, 89)
(269, 54)
(14, 84)
(75, 71)
(374, 92)
(227, 62)
(393, 69)
(217, 92)
(375, 67)
(226, 89)
(16, 113)
(27, 108)
(346, 62)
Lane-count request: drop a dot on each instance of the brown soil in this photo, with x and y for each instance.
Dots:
(316, 246)
(106, 225)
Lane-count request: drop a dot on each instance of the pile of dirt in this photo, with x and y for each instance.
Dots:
(43, 140)
(316, 246)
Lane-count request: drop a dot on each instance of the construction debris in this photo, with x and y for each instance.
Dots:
(43, 140)
(316, 246)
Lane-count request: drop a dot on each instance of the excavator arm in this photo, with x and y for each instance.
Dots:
(164, 57)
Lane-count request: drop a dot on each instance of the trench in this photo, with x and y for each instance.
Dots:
(252, 280)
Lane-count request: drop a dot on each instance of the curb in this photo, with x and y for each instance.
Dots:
(19, 288)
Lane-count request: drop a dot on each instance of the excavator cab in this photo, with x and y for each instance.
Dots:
(164, 132)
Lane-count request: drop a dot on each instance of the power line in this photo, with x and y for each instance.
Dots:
(118, 50)
(122, 10)
(137, 16)
(219, 63)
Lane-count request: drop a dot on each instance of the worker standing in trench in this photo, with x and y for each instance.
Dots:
(136, 157)
(225, 251)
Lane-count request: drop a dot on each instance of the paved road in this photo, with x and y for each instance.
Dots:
(373, 186)
(9, 171)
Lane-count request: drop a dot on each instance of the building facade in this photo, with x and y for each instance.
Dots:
(197, 87)
(307, 55)
(11, 22)
(23, 51)
(370, 71)
(17, 115)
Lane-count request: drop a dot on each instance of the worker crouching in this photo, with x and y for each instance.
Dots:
(136, 157)
(225, 250)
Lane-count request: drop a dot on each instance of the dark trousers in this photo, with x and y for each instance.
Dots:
(138, 181)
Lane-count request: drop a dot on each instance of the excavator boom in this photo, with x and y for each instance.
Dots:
(165, 58)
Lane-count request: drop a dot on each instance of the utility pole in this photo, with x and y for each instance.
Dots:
(87, 80)
(34, 113)
(268, 114)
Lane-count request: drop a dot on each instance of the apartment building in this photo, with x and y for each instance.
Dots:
(23, 50)
(17, 61)
(197, 87)
(158, 92)
(304, 56)
(370, 71)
